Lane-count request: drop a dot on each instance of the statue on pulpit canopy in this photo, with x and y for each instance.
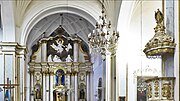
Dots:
(82, 94)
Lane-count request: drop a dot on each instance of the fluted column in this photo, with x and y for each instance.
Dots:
(76, 48)
(76, 86)
(69, 87)
(51, 72)
(43, 50)
(47, 86)
(73, 87)
(88, 85)
(69, 93)
(44, 83)
(111, 74)
(31, 70)
(76, 59)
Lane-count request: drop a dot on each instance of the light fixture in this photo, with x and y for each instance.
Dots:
(102, 38)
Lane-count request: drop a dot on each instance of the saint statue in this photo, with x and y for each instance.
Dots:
(59, 47)
(38, 94)
(50, 58)
(68, 47)
(68, 59)
(56, 59)
(82, 94)
(159, 17)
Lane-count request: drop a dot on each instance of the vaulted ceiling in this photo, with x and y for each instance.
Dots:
(71, 23)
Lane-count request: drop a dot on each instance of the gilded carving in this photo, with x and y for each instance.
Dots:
(156, 88)
(161, 43)
(149, 91)
(166, 90)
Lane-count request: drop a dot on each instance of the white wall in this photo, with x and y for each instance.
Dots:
(132, 42)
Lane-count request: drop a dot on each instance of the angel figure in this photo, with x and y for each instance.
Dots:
(50, 58)
(68, 59)
(60, 46)
(56, 59)
(68, 47)
(159, 17)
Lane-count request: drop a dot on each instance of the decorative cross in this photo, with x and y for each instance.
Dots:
(8, 86)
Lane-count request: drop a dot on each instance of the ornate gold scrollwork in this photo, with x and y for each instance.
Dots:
(166, 90)
(156, 88)
(149, 91)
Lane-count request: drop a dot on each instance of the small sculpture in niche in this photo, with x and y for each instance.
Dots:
(68, 59)
(82, 77)
(60, 78)
(37, 91)
(82, 94)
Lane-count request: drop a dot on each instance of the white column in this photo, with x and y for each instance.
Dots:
(47, 86)
(69, 86)
(103, 81)
(108, 78)
(44, 84)
(76, 59)
(88, 86)
(51, 83)
(43, 50)
(113, 76)
(92, 84)
(32, 83)
(76, 86)
(73, 86)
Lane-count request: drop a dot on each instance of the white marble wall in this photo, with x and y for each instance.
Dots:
(8, 21)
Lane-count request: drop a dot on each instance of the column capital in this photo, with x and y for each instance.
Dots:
(76, 64)
(76, 39)
(43, 40)
(112, 49)
(44, 70)
(31, 70)
(51, 71)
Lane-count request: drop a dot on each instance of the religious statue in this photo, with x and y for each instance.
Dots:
(38, 94)
(59, 47)
(50, 58)
(68, 59)
(57, 59)
(159, 17)
(60, 78)
(82, 94)
(68, 47)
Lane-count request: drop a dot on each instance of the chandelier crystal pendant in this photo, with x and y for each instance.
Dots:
(102, 38)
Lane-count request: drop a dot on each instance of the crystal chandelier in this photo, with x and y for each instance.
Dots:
(102, 38)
